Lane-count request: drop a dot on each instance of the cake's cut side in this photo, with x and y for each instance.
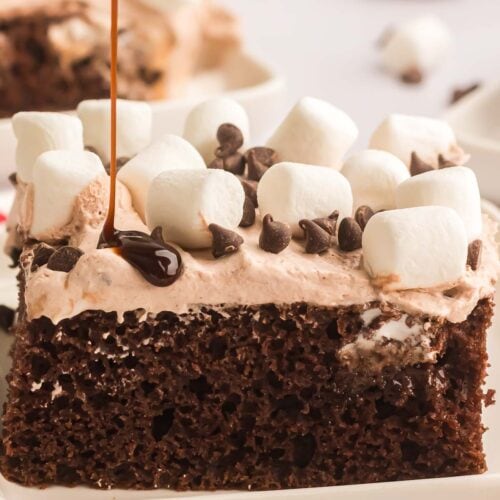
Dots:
(238, 397)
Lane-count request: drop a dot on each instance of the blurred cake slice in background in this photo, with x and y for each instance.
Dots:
(54, 53)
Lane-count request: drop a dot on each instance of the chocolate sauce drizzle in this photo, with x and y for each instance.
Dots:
(158, 262)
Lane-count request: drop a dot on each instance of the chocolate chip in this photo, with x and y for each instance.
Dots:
(329, 224)
(259, 159)
(418, 166)
(41, 255)
(216, 163)
(317, 239)
(474, 254)
(444, 163)
(13, 179)
(15, 255)
(224, 241)
(250, 188)
(350, 235)
(230, 139)
(462, 92)
(275, 236)
(7, 316)
(413, 75)
(64, 259)
(248, 218)
(363, 214)
(235, 164)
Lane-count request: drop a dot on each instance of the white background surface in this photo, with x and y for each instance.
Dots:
(326, 48)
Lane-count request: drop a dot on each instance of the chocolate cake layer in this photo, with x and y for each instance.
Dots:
(243, 397)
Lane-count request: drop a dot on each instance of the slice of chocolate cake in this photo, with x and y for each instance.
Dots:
(53, 54)
(305, 342)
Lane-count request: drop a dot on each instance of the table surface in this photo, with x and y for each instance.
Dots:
(326, 48)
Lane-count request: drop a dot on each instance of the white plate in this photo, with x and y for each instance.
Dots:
(476, 121)
(485, 486)
(250, 81)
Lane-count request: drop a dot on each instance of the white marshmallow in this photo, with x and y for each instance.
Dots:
(294, 191)
(203, 121)
(185, 202)
(453, 187)
(314, 132)
(403, 134)
(420, 44)
(38, 132)
(134, 122)
(374, 176)
(169, 153)
(415, 248)
(58, 178)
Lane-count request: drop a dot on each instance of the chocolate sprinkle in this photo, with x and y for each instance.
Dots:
(458, 93)
(350, 235)
(317, 239)
(474, 254)
(250, 188)
(275, 236)
(259, 159)
(230, 139)
(41, 255)
(248, 218)
(329, 224)
(224, 241)
(413, 75)
(7, 316)
(444, 163)
(363, 214)
(418, 166)
(64, 259)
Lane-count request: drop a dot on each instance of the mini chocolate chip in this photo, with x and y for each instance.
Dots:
(250, 188)
(64, 259)
(7, 316)
(235, 163)
(13, 179)
(275, 236)
(248, 218)
(317, 239)
(462, 92)
(41, 255)
(350, 235)
(444, 163)
(230, 139)
(259, 159)
(418, 166)
(216, 163)
(363, 214)
(413, 75)
(474, 254)
(224, 241)
(329, 224)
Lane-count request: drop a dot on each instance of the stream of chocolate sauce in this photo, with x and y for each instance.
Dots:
(158, 262)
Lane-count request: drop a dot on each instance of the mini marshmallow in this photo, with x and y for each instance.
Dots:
(203, 121)
(417, 247)
(38, 132)
(418, 45)
(428, 137)
(133, 129)
(453, 187)
(169, 153)
(374, 176)
(314, 132)
(185, 202)
(291, 192)
(58, 178)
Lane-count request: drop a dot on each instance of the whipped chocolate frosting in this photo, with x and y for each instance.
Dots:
(102, 280)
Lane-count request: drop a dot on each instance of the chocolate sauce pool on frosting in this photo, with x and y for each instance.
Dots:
(158, 262)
